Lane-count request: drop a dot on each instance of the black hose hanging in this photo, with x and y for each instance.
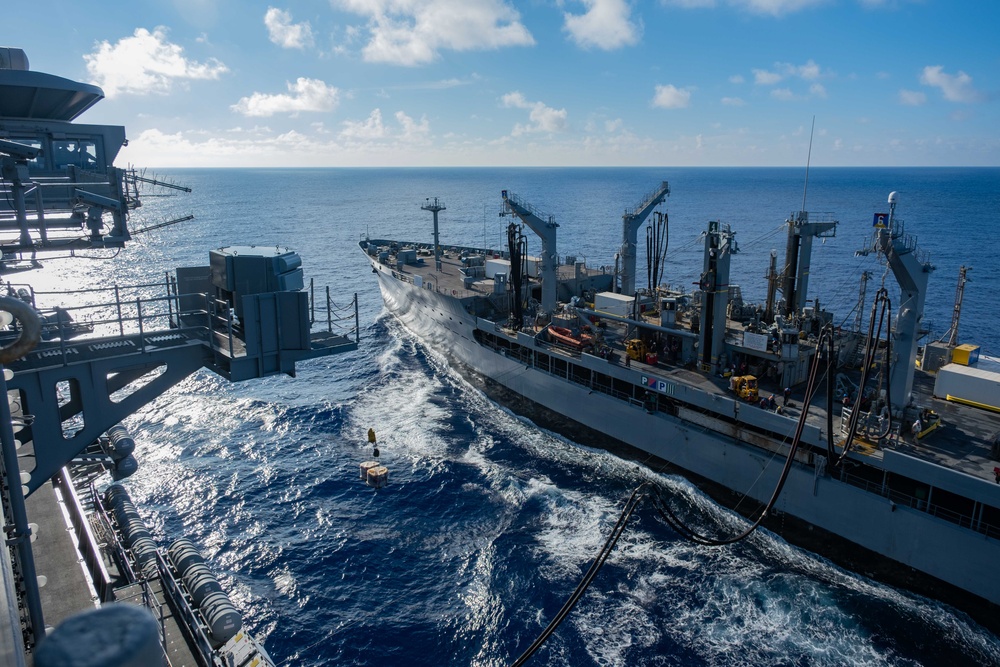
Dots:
(656, 249)
(515, 246)
(670, 517)
(881, 306)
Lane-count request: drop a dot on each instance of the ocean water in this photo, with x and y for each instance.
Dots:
(489, 522)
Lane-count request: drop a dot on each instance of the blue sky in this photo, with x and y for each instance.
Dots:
(531, 82)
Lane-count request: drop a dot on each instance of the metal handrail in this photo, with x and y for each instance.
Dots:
(85, 536)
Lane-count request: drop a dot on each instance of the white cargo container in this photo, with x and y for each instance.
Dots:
(533, 265)
(968, 384)
(495, 266)
(613, 304)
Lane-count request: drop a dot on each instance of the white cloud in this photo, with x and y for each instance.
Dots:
(763, 77)
(412, 131)
(304, 95)
(615, 125)
(783, 94)
(671, 97)
(736, 78)
(690, 4)
(912, 98)
(372, 128)
(775, 7)
(286, 34)
(817, 90)
(772, 7)
(543, 118)
(413, 32)
(955, 88)
(810, 71)
(146, 63)
(733, 101)
(606, 25)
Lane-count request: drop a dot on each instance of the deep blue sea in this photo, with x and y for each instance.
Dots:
(489, 522)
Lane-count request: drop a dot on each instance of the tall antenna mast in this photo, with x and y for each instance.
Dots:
(808, 160)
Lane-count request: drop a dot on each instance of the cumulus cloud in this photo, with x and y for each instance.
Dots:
(772, 7)
(286, 34)
(413, 32)
(303, 95)
(370, 128)
(775, 7)
(542, 118)
(912, 98)
(412, 130)
(671, 97)
(763, 77)
(144, 63)
(954, 87)
(733, 101)
(605, 25)
(810, 71)
(374, 128)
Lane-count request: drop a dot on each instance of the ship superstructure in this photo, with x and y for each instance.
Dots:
(702, 380)
(76, 363)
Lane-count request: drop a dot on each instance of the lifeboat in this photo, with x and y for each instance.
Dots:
(564, 336)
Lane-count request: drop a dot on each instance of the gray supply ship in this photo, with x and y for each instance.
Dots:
(82, 580)
(892, 469)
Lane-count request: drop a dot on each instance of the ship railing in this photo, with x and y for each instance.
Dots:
(113, 544)
(189, 618)
(53, 193)
(920, 504)
(647, 198)
(145, 321)
(86, 541)
(168, 582)
(151, 603)
(431, 284)
(823, 216)
(340, 318)
(134, 315)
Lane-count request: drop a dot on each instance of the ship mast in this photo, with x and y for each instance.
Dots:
(434, 207)
(631, 221)
(546, 231)
(720, 245)
(912, 271)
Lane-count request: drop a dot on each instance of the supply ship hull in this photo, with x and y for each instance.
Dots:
(905, 504)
